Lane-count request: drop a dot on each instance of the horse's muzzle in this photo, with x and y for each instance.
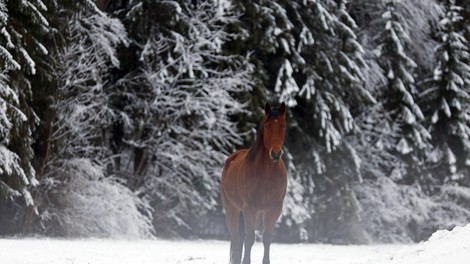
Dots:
(276, 156)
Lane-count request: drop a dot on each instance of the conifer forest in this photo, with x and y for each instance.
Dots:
(116, 116)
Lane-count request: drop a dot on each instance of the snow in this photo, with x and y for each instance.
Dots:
(171, 252)
(403, 147)
(443, 247)
(285, 78)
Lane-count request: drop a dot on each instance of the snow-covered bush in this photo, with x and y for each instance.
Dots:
(394, 213)
(90, 204)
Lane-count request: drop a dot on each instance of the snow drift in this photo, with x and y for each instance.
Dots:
(443, 247)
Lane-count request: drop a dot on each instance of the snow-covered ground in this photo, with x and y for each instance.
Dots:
(444, 247)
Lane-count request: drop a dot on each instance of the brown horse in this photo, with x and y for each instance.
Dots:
(254, 181)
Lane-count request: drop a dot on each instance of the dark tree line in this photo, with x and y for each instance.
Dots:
(116, 116)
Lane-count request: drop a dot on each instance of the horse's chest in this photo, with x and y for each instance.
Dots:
(265, 191)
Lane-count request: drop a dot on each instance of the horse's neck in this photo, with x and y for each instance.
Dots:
(257, 148)
(259, 154)
(262, 153)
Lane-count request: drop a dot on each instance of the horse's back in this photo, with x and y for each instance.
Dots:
(236, 156)
(230, 174)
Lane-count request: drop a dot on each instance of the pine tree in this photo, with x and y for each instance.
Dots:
(62, 103)
(379, 131)
(73, 170)
(175, 96)
(264, 32)
(309, 57)
(340, 92)
(13, 179)
(464, 25)
(23, 53)
(448, 100)
(10, 166)
(382, 125)
(400, 95)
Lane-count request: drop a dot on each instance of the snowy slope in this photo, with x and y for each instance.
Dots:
(444, 247)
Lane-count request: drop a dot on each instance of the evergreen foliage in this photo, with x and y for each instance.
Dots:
(116, 116)
(175, 105)
(400, 95)
(75, 132)
(448, 100)
(23, 61)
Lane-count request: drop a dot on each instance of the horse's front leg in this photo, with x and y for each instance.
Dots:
(270, 218)
(250, 215)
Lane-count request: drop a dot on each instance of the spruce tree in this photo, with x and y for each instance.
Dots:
(175, 94)
(23, 53)
(9, 114)
(309, 57)
(448, 100)
(399, 98)
(76, 131)
(340, 92)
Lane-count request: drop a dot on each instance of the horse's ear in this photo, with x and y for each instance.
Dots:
(282, 108)
(267, 108)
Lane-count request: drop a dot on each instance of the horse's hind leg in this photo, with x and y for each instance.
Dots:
(232, 218)
(270, 218)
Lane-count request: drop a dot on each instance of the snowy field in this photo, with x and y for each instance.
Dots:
(444, 247)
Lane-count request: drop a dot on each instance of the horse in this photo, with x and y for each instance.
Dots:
(254, 183)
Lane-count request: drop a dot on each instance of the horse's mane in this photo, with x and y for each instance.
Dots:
(259, 138)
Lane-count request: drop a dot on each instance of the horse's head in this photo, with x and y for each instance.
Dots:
(274, 127)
